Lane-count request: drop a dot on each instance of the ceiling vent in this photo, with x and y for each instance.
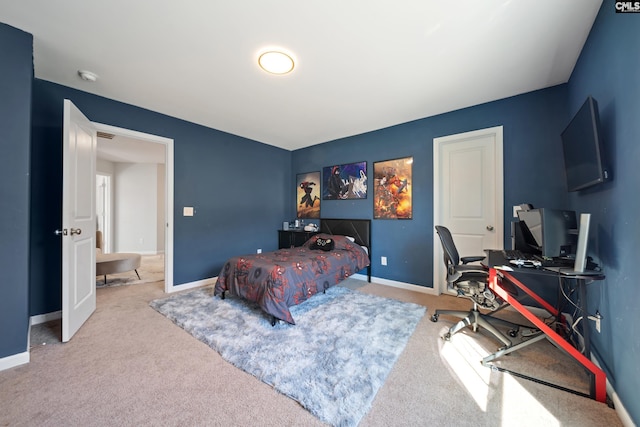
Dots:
(105, 135)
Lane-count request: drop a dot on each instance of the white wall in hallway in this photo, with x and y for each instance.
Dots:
(136, 207)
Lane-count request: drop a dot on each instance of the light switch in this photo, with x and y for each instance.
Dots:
(187, 211)
(515, 210)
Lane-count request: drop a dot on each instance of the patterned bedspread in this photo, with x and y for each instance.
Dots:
(281, 279)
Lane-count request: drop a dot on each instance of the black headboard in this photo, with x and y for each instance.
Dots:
(359, 229)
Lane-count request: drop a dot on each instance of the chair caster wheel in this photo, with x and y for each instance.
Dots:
(434, 318)
(447, 336)
(513, 333)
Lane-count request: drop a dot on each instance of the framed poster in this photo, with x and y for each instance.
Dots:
(308, 195)
(392, 197)
(341, 182)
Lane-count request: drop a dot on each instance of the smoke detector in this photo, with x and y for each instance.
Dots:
(87, 76)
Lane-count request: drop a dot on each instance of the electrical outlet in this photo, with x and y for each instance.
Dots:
(383, 260)
(596, 318)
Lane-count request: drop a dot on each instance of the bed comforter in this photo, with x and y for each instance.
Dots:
(286, 277)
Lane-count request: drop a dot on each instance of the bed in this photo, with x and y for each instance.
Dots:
(286, 277)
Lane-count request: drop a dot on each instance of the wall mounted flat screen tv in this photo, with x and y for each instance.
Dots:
(582, 147)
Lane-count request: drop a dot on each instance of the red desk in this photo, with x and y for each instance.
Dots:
(496, 278)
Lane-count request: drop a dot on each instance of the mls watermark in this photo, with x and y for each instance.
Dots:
(628, 7)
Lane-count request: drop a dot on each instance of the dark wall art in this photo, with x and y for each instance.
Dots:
(341, 182)
(392, 189)
(308, 195)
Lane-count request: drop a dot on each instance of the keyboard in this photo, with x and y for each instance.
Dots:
(558, 262)
(515, 254)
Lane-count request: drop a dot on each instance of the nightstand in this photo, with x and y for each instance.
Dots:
(293, 238)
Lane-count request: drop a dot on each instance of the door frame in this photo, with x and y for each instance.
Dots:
(107, 238)
(168, 191)
(438, 143)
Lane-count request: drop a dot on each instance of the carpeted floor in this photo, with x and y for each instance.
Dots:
(128, 365)
(151, 270)
(332, 361)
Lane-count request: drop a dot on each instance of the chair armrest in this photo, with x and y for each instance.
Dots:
(468, 259)
(473, 268)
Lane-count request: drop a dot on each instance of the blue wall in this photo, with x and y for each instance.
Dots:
(239, 212)
(16, 73)
(533, 172)
(608, 69)
(239, 188)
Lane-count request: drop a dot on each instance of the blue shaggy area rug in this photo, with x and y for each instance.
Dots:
(333, 361)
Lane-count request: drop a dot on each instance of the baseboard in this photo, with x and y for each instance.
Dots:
(47, 317)
(14, 360)
(624, 416)
(139, 252)
(24, 358)
(401, 285)
(191, 285)
(621, 411)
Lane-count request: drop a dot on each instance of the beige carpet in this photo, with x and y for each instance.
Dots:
(129, 365)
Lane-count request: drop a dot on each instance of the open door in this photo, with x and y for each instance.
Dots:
(78, 220)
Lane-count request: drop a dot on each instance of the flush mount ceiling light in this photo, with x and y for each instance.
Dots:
(87, 76)
(276, 62)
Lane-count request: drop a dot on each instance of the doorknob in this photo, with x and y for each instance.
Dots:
(62, 232)
(76, 231)
(489, 227)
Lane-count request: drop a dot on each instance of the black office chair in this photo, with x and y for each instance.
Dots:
(470, 281)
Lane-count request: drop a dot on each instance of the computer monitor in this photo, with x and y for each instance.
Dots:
(583, 237)
(549, 232)
(580, 263)
(531, 229)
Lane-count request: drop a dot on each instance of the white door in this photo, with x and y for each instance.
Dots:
(468, 194)
(78, 220)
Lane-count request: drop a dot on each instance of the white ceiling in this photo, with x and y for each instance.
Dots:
(361, 64)
(122, 149)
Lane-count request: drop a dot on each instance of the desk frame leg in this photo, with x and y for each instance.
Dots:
(505, 351)
(598, 386)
